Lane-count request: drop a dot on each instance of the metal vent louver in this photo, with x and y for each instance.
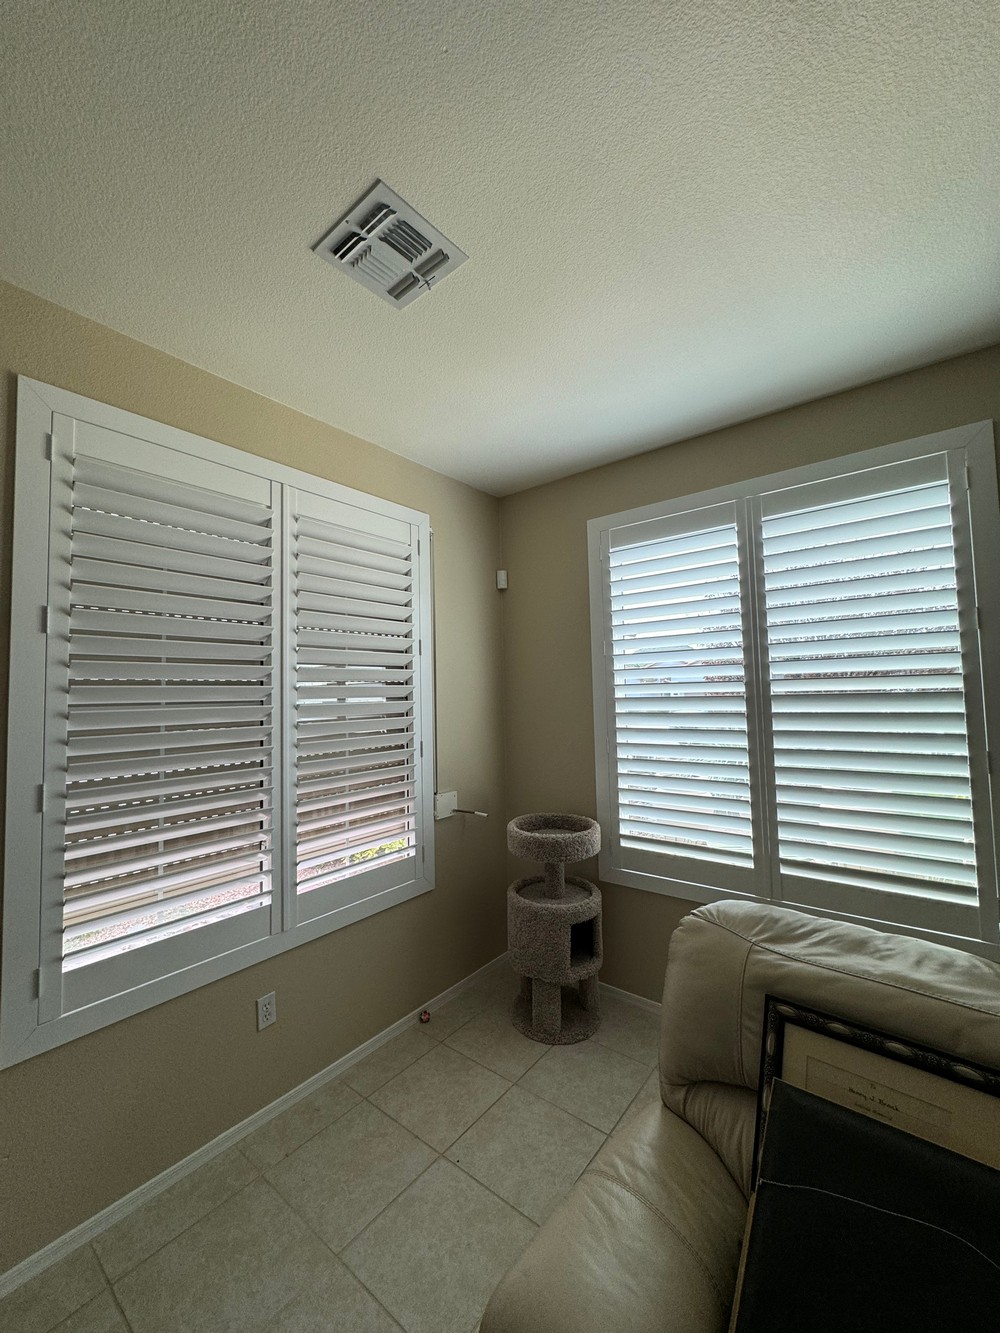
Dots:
(384, 244)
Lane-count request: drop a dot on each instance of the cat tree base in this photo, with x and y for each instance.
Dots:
(556, 948)
(557, 1015)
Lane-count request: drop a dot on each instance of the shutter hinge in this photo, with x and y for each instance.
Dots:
(36, 983)
(41, 798)
(44, 619)
(421, 749)
(49, 444)
(420, 647)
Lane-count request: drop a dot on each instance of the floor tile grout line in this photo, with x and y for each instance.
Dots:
(337, 1259)
(439, 1041)
(544, 1051)
(92, 1296)
(338, 1254)
(439, 1158)
(445, 1042)
(177, 1235)
(585, 1124)
(511, 1084)
(541, 1096)
(490, 1190)
(441, 1151)
(357, 1235)
(125, 1319)
(284, 1157)
(572, 1114)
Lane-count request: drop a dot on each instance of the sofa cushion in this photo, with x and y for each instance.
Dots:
(648, 1241)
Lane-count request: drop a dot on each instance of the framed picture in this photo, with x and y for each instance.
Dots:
(900, 1083)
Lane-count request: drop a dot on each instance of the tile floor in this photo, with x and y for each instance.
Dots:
(392, 1199)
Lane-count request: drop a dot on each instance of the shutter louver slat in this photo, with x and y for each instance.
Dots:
(354, 701)
(131, 672)
(871, 754)
(123, 622)
(356, 786)
(168, 802)
(184, 760)
(141, 555)
(113, 573)
(677, 665)
(135, 815)
(167, 715)
(185, 828)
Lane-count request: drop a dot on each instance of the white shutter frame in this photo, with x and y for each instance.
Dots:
(876, 858)
(22, 1033)
(190, 873)
(623, 860)
(975, 929)
(344, 553)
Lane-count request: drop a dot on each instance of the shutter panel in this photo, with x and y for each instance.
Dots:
(681, 751)
(871, 750)
(354, 714)
(163, 636)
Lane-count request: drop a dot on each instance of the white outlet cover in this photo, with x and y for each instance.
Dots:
(267, 1011)
(445, 804)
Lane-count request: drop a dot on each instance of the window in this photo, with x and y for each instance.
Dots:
(789, 689)
(219, 715)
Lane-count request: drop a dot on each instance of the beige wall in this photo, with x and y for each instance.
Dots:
(83, 1125)
(548, 702)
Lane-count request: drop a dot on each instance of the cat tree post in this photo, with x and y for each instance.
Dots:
(554, 929)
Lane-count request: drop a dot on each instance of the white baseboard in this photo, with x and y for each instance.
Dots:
(107, 1217)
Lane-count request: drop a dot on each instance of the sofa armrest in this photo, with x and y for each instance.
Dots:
(647, 1242)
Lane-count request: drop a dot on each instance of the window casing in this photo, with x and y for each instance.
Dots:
(794, 681)
(220, 737)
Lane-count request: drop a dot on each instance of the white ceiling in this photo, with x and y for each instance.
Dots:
(679, 215)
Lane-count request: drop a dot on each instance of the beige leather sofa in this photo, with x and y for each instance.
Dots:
(649, 1239)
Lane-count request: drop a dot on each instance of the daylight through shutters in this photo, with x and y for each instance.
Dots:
(169, 777)
(871, 753)
(354, 674)
(790, 693)
(680, 709)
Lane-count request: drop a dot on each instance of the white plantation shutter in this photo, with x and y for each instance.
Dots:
(681, 753)
(354, 712)
(789, 691)
(220, 740)
(871, 749)
(159, 752)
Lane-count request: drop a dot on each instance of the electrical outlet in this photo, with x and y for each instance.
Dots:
(267, 1011)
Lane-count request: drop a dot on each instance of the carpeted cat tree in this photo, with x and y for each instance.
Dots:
(554, 929)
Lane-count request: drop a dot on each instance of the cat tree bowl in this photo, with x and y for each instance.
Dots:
(554, 929)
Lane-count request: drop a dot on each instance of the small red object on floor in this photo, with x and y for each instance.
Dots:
(425, 1017)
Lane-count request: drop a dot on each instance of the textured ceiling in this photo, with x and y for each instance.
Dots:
(679, 215)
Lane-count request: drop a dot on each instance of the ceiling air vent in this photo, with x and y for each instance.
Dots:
(387, 246)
